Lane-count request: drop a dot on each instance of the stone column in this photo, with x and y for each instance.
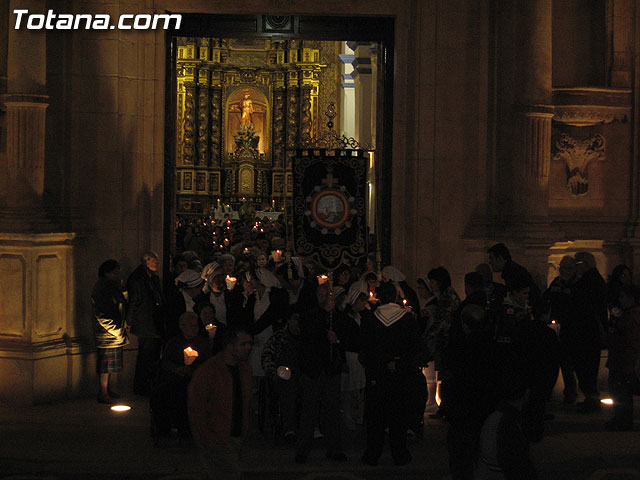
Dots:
(39, 359)
(535, 112)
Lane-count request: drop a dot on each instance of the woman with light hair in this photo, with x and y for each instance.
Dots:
(264, 310)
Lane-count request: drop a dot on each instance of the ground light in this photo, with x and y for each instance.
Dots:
(607, 401)
(120, 408)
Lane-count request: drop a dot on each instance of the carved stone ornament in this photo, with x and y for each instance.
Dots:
(578, 153)
(587, 115)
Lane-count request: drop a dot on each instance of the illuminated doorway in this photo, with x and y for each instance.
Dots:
(244, 91)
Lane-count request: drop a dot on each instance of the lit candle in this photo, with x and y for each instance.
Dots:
(277, 255)
(190, 355)
(211, 330)
(322, 279)
(226, 242)
(404, 302)
(231, 282)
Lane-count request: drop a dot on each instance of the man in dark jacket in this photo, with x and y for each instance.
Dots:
(144, 315)
(388, 353)
(583, 332)
(321, 363)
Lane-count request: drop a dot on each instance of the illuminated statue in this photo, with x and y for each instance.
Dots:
(247, 110)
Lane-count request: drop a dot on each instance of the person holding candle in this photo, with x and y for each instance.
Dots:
(280, 361)
(264, 310)
(183, 299)
(389, 347)
(109, 327)
(210, 327)
(222, 294)
(405, 292)
(169, 398)
(218, 405)
(322, 361)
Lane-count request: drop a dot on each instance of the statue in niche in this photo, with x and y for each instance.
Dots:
(247, 111)
(246, 137)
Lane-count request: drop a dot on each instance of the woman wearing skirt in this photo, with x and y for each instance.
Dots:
(108, 326)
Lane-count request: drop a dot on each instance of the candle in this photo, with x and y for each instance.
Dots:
(231, 282)
(226, 242)
(404, 302)
(284, 372)
(322, 279)
(190, 355)
(211, 330)
(277, 255)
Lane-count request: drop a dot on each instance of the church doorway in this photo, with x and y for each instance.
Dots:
(243, 92)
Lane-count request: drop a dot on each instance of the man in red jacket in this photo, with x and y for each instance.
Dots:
(219, 397)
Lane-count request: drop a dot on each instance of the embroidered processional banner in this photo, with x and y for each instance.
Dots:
(329, 205)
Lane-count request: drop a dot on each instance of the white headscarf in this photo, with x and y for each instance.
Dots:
(209, 270)
(392, 274)
(356, 289)
(188, 279)
(395, 276)
(267, 278)
(298, 264)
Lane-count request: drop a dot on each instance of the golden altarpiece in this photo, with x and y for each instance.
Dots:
(242, 105)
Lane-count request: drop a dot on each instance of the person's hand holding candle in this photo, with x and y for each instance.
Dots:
(231, 282)
(190, 355)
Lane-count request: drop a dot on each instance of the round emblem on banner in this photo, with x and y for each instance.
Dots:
(330, 209)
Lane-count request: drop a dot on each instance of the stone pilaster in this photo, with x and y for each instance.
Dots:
(535, 158)
(25, 147)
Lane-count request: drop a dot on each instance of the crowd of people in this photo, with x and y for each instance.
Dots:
(245, 334)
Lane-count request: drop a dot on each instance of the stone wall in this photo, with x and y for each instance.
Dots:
(455, 147)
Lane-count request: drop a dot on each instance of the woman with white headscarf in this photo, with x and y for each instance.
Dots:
(187, 295)
(405, 292)
(265, 308)
(353, 381)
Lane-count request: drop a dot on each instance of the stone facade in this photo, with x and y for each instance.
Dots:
(476, 103)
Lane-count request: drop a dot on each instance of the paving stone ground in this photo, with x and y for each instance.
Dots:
(81, 439)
